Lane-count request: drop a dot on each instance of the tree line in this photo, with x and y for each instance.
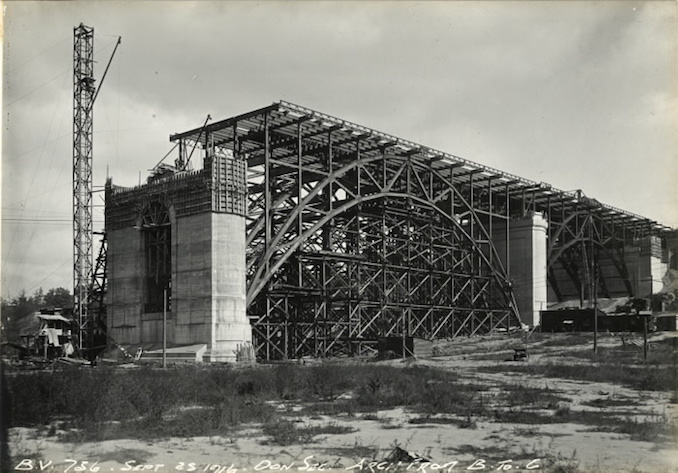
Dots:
(18, 308)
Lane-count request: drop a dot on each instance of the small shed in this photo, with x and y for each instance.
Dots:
(570, 320)
(53, 336)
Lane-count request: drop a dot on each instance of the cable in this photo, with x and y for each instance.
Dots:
(30, 188)
(33, 196)
(34, 57)
(43, 279)
(35, 220)
(37, 88)
(17, 156)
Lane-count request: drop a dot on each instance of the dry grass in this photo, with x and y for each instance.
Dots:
(649, 378)
(190, 401)
(122, 455)
(285, 432)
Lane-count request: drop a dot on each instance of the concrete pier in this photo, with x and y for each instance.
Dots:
(179, 241)
(526, 262)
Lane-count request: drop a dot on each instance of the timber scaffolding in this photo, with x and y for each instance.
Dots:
(190, 191)
(354, 235)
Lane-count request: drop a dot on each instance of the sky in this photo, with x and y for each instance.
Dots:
(576, 94)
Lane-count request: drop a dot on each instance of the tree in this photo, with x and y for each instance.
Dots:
(37, 297)
(58, 297)
(15, 311)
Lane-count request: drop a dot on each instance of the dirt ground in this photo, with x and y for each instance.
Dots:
(371, 443)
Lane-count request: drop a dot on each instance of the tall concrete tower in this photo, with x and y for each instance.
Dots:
(176, 245)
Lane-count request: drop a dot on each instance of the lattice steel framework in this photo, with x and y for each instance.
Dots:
(588, 241)
(84, 92)
(94, 326)
(354, 234)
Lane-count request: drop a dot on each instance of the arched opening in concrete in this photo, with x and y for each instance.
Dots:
(156, 230)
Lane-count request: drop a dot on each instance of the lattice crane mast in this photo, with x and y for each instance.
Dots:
(84, 95)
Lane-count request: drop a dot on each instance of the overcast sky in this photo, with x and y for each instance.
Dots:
(581, 95)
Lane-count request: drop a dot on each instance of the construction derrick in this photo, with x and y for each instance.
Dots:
(84, 91)
(87, 287)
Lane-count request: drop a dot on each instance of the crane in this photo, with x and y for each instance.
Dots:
(84, 95)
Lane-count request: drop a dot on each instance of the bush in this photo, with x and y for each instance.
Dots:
(284, 432)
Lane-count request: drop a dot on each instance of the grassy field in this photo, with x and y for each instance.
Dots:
(279, 401)
(193, 400)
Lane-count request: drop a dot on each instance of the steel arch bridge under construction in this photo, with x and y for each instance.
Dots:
(354, 235)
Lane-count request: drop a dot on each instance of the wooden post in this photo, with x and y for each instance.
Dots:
(645, 338)
(164, 328)
(645, 314)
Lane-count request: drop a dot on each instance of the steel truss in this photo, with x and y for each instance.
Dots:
(588, 241)
(84, 92)
(353, 234)
(95, 325)
(88, 285)
(352, 237)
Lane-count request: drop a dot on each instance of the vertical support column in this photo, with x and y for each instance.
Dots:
(217, 169)
(300, 187)
(407, 313)
(356, 314)
(316, 329)
(267, 232)
(581, 288)
(591, 261)
(549, 219)
(508, 225)
(236, 144)
(454, 230)
(431, 313)
(383, 238)
(507, 263)
(328, 194)
(473, 250)
(490, 212)
(452, 191)
(327, 237)
(489, 246)
(179, 163)
(267, 192)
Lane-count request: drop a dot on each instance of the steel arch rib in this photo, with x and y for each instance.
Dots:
(556, 252)
(556, 236)
(258, 282)
(334, 176)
